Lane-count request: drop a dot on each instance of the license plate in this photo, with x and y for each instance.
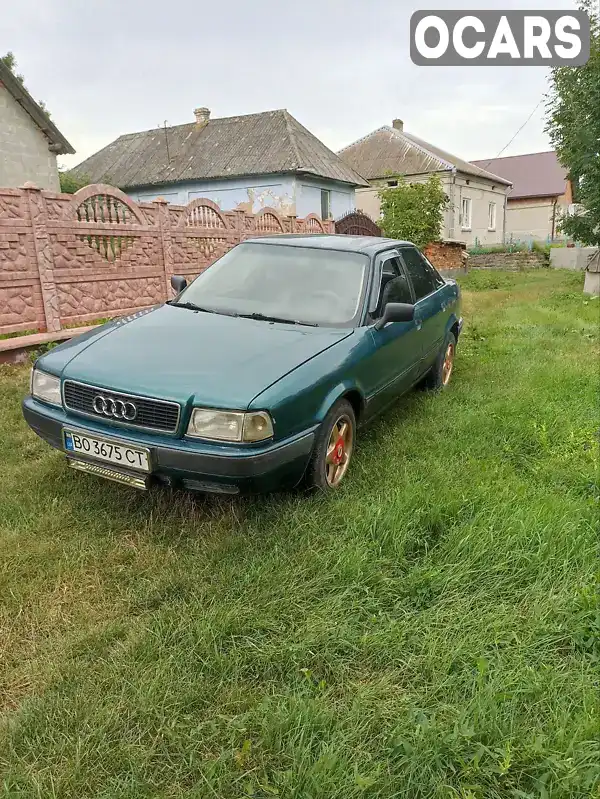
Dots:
(108, 451)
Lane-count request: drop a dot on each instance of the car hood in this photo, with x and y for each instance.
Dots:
(174, 353)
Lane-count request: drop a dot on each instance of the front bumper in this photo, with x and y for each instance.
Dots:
(196, 465)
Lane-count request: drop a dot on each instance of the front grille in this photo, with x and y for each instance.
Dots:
(150, 413)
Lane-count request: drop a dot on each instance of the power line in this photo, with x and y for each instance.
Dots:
(506, 146)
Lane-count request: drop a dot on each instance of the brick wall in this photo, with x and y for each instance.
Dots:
(446, 255)
(507, 260)
(67, 259)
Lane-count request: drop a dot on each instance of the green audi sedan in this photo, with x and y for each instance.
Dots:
(256, 376)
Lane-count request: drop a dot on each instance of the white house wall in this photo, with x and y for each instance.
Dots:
(481, 193)
(456, 187)
(367, 200)
(24, 153)
(253, 193)
(308, 197)
(288, 194)
(531, 218)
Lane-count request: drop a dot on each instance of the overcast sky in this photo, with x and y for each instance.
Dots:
(342, 68)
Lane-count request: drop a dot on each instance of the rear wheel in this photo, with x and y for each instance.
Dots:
(440, 373)
(333, 448)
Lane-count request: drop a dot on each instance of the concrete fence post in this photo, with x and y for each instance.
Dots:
(166, 243)
(38, 217)
(240, 223)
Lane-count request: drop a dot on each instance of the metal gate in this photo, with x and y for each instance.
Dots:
(357, 223)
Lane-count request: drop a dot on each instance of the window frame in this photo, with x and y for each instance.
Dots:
(379, 260)
(326, 193)
(492, 216)
(463, 222)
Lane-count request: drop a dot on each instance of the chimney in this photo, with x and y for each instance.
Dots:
(398, 124)
(202, 115)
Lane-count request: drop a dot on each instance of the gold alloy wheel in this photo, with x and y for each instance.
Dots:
(339, 450)
(448, 364)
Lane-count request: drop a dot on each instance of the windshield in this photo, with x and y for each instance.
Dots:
(296, 284)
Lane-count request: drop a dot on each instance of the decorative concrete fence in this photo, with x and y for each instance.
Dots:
(71, 258)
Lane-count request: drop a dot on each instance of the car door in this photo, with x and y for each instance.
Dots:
(431, 313)
(396, 348)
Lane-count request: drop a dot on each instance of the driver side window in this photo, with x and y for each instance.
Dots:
(394, 285)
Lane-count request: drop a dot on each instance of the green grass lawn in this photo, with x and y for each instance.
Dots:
(431, 630)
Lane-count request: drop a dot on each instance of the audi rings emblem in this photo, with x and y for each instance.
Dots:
(115, 408)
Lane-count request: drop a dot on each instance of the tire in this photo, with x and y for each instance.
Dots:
(324, 475)
(440, 373)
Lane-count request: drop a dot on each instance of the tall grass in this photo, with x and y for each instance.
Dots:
(431, 630)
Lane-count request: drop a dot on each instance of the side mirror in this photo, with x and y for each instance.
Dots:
(178, 283)
(395, 312)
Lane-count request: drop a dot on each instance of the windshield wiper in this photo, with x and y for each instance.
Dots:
(265, 318)
(191, 306)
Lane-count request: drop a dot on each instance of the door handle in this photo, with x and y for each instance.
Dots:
(418, 323)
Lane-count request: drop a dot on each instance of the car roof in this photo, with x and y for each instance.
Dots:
(370, 245)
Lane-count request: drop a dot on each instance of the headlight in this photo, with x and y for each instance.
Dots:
(45, 387)
(230, 425)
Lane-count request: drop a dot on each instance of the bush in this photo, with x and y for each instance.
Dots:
(70, 183)
(512, 246)
(414, 211)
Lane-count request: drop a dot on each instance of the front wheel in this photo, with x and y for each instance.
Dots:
(440, 373)
(333, 448)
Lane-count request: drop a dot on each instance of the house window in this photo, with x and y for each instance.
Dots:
(325, 204)
(492, 216)
(392, 183)
(465, 213)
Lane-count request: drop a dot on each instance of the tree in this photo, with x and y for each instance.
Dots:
(414, 211)
(70, 182)
(574, 127)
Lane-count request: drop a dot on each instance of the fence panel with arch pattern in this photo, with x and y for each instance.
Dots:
(71, 258)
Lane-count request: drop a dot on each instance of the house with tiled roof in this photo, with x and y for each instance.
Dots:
(477, 196)
(541, 193)
(29, 139)
(251, 162)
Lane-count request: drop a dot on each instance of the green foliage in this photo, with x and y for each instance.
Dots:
(414, 211)
(542, 247)
(429, 631)
(574, 128)
(509, 246)
(10, 61)
(70, 182)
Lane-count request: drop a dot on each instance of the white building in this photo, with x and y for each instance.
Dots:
(29, 140)
(477, 209)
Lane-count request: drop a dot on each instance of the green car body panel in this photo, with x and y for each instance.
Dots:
(294, 372)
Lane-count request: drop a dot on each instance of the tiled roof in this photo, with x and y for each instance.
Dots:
(253, 144)
(388, 151)
(533, 175)
(58, 143)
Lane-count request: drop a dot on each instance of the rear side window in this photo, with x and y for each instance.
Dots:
(423, 277)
